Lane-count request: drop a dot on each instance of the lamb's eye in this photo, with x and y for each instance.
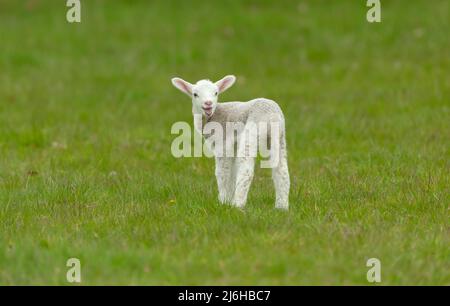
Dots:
(216, 93)
(195, 95)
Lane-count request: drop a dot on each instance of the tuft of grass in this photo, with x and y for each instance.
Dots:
(85, 163)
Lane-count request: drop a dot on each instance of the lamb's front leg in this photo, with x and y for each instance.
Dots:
(224, 176)
(244, 175)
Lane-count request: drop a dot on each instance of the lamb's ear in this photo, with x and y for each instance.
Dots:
(182, 85)
(226, 83)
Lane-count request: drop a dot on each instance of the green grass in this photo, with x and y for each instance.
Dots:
(85, 163)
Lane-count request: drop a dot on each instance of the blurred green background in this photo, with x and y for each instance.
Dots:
(85, 163)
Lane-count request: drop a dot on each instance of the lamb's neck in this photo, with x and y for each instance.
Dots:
(220, 116)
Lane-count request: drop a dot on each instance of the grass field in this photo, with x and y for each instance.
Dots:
(85, 163)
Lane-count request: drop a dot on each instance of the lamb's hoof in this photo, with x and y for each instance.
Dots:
(238, 205)
(284, 207)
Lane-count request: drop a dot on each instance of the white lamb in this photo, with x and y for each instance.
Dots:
(235, 173)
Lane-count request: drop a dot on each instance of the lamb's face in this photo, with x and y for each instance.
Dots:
(204, 97)
(204, 93)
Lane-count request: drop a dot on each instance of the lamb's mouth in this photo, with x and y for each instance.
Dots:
(208, 111)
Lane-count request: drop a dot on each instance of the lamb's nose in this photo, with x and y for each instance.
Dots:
(208, 103)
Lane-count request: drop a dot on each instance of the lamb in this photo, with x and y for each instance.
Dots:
(234, 174)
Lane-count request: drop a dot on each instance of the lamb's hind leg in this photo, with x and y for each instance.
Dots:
(280, 175)
(224, 176)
